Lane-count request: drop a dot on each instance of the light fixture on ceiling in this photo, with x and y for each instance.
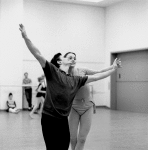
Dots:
(93, 1)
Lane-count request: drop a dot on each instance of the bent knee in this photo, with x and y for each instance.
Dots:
(82, 140)
(73, 138)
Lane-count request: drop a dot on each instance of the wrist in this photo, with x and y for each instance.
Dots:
(115, 67)
(24, 34)
(112, 66)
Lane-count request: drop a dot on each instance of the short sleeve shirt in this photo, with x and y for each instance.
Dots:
(61, 90)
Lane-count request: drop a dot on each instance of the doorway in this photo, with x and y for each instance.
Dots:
(129, 85)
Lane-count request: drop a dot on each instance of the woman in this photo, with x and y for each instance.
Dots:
(41, 92)
(82, 109)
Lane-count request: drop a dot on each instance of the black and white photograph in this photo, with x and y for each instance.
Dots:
(73, 74)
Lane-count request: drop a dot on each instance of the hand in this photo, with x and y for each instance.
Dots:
(117, 63)
(22, 29)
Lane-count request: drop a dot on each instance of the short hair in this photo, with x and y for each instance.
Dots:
(10, 94)
(25, 73)
(69, 53)
(56, 58)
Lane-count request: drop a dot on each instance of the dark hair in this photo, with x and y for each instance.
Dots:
(56, 58)
(10, 94)
(69, 53)
(25, 73)
(40, 78)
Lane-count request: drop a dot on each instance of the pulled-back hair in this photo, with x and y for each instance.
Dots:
(56, 58)
(69, 53)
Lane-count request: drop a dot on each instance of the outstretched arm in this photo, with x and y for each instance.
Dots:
(36, 53)
(103, 75)
(92, 72)
(99, 76)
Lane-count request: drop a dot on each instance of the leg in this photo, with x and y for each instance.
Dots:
(73, 126)
(13, 110)
(30, 98)
(28, 93)
(36, 106)
(41, 108)
(85, 124)
(55, 132)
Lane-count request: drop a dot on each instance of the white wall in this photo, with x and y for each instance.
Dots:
(10, 51)
(61, 27)
(53, 27)
(65, 27)
(126, 30)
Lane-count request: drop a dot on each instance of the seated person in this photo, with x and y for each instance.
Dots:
(12, 104)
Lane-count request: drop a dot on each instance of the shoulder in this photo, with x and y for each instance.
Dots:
(24, 80)
(50, 70)
(81, 71)
(49, 65)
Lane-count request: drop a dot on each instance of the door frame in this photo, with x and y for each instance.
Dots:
(113, 84)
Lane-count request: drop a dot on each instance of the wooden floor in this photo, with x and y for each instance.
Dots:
(111, 130)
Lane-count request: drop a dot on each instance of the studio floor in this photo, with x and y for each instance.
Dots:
(111, 130)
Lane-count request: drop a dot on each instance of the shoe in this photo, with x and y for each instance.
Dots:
(29, 108)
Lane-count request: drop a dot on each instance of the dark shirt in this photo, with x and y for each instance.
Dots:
(61, 90)
(39, 94)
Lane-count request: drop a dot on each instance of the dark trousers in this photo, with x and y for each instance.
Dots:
(55, 132)
(28, 93)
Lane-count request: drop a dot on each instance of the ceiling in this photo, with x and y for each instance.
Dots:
(104, 3)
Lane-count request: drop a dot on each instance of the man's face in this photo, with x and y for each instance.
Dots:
(70, 60)
(26, 75)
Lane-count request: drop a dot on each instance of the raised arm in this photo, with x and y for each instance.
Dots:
(36, 53)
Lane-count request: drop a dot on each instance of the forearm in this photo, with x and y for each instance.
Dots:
(93, 72)
(100, 76)
(31, 46)
(106, 69)
(42, 91)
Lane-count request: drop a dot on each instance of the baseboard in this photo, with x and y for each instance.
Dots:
(105, 107)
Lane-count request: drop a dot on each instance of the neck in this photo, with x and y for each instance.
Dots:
(64, 68)
(70, 70)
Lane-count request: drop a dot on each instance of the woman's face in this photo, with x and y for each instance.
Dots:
(70, 59)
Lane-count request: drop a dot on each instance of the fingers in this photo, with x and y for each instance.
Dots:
(117, 63)
(115, 59)
(21, 26)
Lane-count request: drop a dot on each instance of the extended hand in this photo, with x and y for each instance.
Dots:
(117, 63)
(22, 29)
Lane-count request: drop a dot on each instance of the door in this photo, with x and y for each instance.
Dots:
(132, 82)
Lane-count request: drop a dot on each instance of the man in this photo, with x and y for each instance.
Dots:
(28, 90)
(80, 117)
(61, 90)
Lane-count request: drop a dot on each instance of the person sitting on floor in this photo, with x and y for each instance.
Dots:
(12, 104)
